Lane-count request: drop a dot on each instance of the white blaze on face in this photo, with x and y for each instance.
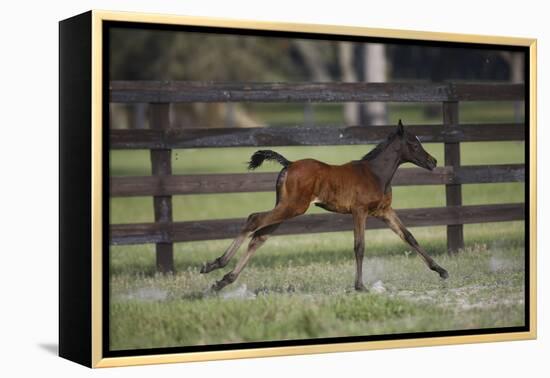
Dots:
(417, 139)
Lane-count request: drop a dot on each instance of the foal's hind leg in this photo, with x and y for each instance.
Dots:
(261, 224)
(222, 261)
(393, 221)
(254, 222)
(256, 242)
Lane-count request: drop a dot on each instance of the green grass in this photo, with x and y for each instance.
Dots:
(298, 290)
(233, 160)
(300, 286)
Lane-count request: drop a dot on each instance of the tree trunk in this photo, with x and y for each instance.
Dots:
(517, 76)
(516, 64)
(345, 59)
(313, 59)
(375, 68)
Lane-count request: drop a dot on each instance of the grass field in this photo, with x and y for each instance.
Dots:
(285, 294)
(302, 286)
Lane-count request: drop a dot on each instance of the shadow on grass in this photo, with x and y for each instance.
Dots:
(266, 258)
(345, 253)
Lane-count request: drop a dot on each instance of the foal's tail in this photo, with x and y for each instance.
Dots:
(259, 156)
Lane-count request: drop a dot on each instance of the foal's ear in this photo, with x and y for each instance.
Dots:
(400, 130)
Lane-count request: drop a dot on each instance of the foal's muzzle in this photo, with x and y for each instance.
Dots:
(431, 163)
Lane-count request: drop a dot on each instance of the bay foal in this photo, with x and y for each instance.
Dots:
(360, 188)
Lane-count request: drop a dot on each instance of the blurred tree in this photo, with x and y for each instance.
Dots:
(363, 62)
(420, 62)
(167, 55)
(348, 74)
(440, 64)
(516, 63)
(138, 54)
(315, 58)
(375, 71)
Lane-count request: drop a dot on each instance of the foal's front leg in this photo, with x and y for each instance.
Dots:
(392, 220)
(359, 221)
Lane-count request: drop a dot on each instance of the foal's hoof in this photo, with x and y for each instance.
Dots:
(442, 272)
(226, 280)
(218, 285)
(361, 288)
(208, 267)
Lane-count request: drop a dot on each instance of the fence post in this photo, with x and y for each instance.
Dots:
(161, 164)
(455, 233)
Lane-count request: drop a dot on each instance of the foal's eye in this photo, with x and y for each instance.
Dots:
(415, 147)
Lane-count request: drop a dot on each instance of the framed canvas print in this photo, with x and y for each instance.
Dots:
(235, 189)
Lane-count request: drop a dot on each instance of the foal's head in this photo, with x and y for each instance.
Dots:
(411, 149)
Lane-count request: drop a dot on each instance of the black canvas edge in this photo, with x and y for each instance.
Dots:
(75, 189)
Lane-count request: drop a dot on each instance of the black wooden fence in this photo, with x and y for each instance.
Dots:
(162, 137)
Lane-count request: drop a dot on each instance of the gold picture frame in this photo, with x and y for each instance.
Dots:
(85, 32)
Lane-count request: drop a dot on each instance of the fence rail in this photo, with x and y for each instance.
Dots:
(174, 91)
(265, 182)
(164, 136)
(142, 233)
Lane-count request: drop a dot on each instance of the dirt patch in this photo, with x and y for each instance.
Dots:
(146, 294)
(465, 298)
(240, 292)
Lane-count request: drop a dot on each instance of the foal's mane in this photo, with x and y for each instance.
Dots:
(380, 147)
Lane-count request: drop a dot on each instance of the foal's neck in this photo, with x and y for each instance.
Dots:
(384, 166)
